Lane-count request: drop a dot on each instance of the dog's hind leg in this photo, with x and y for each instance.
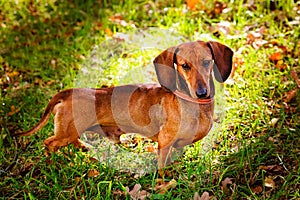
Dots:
(66, 132)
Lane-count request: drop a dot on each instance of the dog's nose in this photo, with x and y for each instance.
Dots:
(201, 92)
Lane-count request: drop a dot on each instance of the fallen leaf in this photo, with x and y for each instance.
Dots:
(289, 109)
(219, 7)
(253, 36)
(80, 24)
(136, 194)
(12, 74)
(204, 196)
(164, 187)
(13, 110)
(151, 148)
(283, 48)
(269, 182)
(108, 32)
(227, 181)
(98, 26)
(77, 179)
(281, 65)
(68, 34)
(135, 189)
(274, 121)
(118, 19)
(275, 57)
(93, 173)
(295, 76)
(223, 27)
(290, 95)
(238, 61)
(277, 105)
(272, 140)
(256, 189)
(192, 4)
(274, 168)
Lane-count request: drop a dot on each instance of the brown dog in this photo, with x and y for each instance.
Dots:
(176, 113)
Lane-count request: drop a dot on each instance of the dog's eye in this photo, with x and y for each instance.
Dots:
(185, 67)
(206, 63)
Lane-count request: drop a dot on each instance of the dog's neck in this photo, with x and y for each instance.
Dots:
(191, 99)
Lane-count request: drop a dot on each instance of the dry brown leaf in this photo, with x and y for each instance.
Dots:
(295, 76)
(219, 7)
(290, 95)
(136, 194)
(223, 27)
(98, 26)
(269, 182)
(238, 61)
(192, 4)
(274, 121)
(204, 196)
(281, 65)
(253, 36)
(275, 57)
(227, 181)
(196, 196)
(166, 186)
(116, 18)
(12, 74)
(151, 148)
(135, 189)
(271, 167)
(256, 189)
(271, 139)
(93, 173)
(77, 179)
(283, 48)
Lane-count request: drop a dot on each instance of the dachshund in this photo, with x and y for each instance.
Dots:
(176, 112)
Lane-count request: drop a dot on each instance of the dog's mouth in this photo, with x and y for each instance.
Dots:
(189, 98)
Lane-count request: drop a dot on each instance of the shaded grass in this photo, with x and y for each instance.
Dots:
(44, 44)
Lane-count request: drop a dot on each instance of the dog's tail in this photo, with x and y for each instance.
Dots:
(58, 98)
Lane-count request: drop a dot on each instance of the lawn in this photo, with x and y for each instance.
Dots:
(48, 46)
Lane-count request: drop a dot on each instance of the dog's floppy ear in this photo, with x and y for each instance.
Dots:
(222, 56)
(164, 67)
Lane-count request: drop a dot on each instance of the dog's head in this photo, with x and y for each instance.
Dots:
(188, 67)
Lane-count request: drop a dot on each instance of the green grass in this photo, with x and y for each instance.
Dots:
(46, 45)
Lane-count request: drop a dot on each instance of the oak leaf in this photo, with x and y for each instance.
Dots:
(227, 181)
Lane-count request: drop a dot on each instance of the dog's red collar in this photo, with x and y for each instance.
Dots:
(193, 100)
